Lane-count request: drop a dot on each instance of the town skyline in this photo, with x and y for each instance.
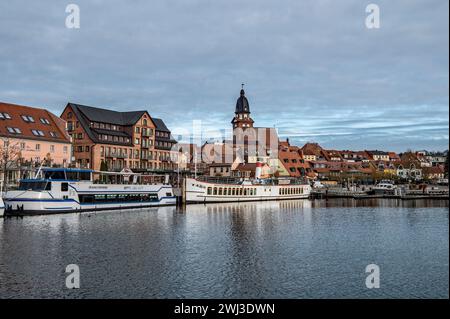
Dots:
(338, 84)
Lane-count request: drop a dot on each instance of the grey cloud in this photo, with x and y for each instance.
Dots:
(310, 66)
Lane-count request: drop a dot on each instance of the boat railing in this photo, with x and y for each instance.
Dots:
(220, 180)
(265, 181)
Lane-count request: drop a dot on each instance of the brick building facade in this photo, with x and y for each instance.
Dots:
(117, 139)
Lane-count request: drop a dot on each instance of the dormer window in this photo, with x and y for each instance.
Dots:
(14, 130)
(44, 121)
(5, 116)
(28, 118)
(37, 133)
(53, 134)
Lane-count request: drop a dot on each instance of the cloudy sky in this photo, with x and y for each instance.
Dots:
(311, 67)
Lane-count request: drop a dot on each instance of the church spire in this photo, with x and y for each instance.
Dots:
(242, 112)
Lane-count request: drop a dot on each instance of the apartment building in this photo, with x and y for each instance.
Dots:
(111, 140)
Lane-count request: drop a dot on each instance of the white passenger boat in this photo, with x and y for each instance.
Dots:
(384, 187)
(78, 190)
(207, 190)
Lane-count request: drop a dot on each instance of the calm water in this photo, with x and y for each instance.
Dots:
(290, 249)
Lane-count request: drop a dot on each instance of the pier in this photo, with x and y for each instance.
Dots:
(399, 193)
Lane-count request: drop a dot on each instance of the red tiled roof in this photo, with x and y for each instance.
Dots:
(433, 170)
(246, 167)
(15, 112)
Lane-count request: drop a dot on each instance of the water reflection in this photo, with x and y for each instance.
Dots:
(285, 249)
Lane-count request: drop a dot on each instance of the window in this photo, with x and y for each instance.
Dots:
(87, 148)
(136, 141)
(137, 130)
(65, 149)
(22, 146)
(44, 121)
(37, 133)
(38, 147)
(28, 118)
(64, 187)
(52, 148)
(4, 116)
(53, 134)
(69, 115)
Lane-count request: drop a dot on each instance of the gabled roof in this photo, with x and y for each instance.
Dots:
(95, 114)
(160, 125)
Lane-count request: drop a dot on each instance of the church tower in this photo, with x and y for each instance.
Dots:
(242, 117)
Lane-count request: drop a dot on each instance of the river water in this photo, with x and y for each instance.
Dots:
(287, 249)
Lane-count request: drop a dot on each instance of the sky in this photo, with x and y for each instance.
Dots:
(311, 68)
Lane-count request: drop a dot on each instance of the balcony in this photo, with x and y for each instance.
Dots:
(146, 134)
(146, 157)
(116, 155)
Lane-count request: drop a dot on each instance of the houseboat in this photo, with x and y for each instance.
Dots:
(211, 189)
(67, 190)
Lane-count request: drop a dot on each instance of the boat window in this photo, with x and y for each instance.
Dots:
(33, 185)
(64, 187)
(113, 198)
(54, 175)
(209, 190)
(215, 191)
(85, 176)
(72, 176)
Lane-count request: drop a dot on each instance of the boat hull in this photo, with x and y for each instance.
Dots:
(30, 211)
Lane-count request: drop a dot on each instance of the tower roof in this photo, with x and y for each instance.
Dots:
(242, 105)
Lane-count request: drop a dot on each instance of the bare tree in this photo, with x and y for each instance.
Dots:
(10, 156)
